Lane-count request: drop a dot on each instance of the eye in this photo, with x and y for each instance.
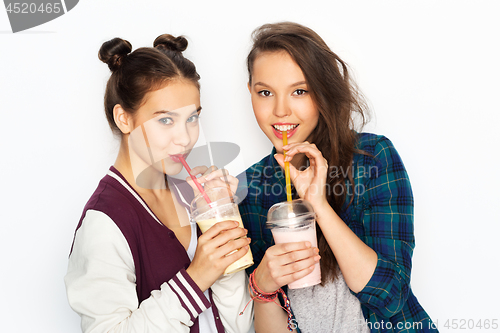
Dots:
(166, 121)
(193, 119)
(300, 92)
(265, 93)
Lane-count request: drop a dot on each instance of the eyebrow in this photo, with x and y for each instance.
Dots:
(172, 113)
(292, 85)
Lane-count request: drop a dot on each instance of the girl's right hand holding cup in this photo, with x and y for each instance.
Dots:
(214, 252)
(285, 263)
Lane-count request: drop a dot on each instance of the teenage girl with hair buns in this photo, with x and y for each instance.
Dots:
(137, 263)
(356, 183)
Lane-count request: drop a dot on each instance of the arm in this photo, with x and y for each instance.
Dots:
(377, 267)
(100, 284)
(356, 260)
(281, 265)
(270, 318)
(388, 221)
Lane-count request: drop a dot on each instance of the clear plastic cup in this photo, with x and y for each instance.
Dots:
(222, 207)
(295, 221)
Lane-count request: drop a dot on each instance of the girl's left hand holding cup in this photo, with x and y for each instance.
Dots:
(310, 183)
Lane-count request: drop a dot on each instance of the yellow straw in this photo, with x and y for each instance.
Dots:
(287, 169)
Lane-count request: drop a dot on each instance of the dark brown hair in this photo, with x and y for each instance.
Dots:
(337, 99)
(142, 71)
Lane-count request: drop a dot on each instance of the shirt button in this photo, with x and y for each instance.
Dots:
(171, 234)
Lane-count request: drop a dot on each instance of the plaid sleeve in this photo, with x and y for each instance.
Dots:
(387, 220)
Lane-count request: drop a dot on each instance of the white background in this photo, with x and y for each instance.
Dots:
(430, 70)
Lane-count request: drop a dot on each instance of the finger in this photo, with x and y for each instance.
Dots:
(282, 248)
(235, 255)
(199, 170)
(217, 183)
(280, 159)
(293, 171)
(294, 144)
(297, 274)
(212, 173)
(310, 150)
(217, 174)
(295, 256)
(210, 170)
(228, 236)
(193, 186)
(218, 227)
(230, 247)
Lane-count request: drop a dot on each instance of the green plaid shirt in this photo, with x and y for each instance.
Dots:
(381, 215)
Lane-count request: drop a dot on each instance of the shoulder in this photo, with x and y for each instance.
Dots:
(376, 151)
(112, 198)
(373, 144)
(99, 231)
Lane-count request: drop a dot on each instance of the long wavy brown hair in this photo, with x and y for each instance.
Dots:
(338, 101)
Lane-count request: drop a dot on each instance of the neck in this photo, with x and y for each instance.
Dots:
(145, 179)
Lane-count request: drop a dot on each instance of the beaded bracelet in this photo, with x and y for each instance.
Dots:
(268, 297)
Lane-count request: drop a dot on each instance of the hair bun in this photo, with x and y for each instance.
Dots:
(169, 42)
(114, 51)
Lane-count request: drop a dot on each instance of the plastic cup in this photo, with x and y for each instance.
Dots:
(221, 208)
(295, 221)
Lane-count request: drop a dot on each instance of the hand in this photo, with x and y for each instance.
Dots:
(309, 183)
(213, 256)
(212, 177)
(285, 263)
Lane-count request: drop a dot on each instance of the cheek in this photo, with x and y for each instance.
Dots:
(194, 133)
(310, 114)
(261, 111)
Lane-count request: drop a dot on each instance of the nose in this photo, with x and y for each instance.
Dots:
(282, 108)
(181, 136)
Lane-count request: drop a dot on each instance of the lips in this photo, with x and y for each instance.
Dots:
(177, 157)
(279, 134)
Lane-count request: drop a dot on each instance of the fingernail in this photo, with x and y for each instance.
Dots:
(235, 222)
(317, 258)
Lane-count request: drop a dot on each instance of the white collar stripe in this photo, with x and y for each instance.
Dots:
(115, 176)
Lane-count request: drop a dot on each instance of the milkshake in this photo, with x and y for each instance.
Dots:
(295, 221)
(221, 208)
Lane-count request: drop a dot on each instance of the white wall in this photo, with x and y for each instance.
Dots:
(430, 70)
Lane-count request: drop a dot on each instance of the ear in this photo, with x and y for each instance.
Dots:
(249, 88)
(122, 119)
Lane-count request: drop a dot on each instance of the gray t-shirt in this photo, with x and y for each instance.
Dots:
(327, 309)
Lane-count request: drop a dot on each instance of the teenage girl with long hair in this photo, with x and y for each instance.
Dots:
(356, 183)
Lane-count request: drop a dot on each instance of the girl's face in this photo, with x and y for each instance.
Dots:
(281, 99)
(166, 126)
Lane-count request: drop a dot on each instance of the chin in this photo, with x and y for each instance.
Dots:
(172, 170)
